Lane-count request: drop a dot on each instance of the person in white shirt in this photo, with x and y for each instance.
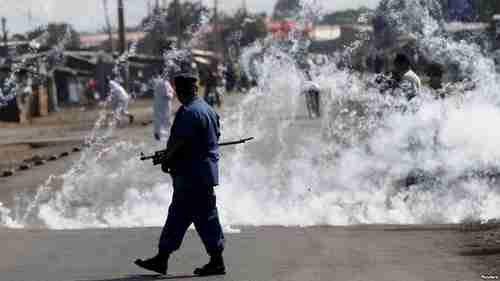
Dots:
(409, 83)
(119, 99)
(24, 96)
(163, 95)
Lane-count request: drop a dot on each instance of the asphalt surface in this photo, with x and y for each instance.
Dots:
(373, 253)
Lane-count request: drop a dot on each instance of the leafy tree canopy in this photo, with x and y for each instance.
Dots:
(285, 9)
(349, 16)
(54, 34)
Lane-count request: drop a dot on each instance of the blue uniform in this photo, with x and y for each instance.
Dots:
(194, 172)
(198, 124)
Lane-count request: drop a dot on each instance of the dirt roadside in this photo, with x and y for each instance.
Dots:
(49, 145)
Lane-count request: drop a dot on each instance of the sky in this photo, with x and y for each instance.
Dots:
(88, 15)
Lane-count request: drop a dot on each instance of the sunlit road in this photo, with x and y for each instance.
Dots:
(373, 253)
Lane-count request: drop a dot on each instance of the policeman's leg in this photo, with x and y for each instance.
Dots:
(178, 221)
(171, 238)
(210, 231)
(207, 224)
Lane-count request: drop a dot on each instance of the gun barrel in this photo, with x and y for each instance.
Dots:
(144, 158)
(235, 142)
(159, 154)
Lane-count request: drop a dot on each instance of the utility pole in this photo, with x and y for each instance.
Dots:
(244, 7)
(109, 29)
(496, 24)
(218, 30)
(121, 27)
(5, 40)
(30, 18)
(178, 23)
(216, 24)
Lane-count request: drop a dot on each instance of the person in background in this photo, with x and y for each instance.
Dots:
(409, 83)
(119, 100)
(24, 95)
(435, 73)
(92, 86)
(311, 91)
(210, 94)
(163, 95)
(221, 87)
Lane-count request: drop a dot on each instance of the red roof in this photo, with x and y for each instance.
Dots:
(281, 29)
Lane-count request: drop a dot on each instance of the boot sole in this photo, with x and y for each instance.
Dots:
(197, 273)
(140, 264)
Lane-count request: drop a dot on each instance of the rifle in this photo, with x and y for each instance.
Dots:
(158, 156)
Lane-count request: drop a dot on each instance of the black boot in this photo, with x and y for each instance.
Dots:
(158, 264)
(214, 267)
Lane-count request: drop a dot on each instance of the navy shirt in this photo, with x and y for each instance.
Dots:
(197, 162)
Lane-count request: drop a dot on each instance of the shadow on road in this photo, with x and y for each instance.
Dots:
(148, 277)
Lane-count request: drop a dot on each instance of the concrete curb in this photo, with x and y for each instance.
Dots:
(24, 167)
(64, 154)
(7, 173)
(53, 158)
(40, 162)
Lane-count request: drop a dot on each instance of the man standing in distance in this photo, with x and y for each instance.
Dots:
(163, 95)
(409, 82)
(192, 160)
(119, 99)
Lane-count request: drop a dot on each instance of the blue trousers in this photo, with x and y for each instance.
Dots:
(197, 205)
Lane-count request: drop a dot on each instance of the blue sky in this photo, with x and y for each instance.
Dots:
(88, 15)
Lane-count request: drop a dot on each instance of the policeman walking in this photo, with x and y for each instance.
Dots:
(192, 160)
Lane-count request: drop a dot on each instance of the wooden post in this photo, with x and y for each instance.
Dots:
(121, 27)
(178, 23)
(109, 29)
(5, 39)
(216, 26)
(43, 100)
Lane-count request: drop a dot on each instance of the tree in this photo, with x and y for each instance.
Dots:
(485, 9)
(18, 37)
(54, 34)
(285, 9)
(349, 16)
(237, 31)
(162, 25)
(243, 28)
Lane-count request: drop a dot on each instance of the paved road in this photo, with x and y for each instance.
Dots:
(385, 253)
(372, 253)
